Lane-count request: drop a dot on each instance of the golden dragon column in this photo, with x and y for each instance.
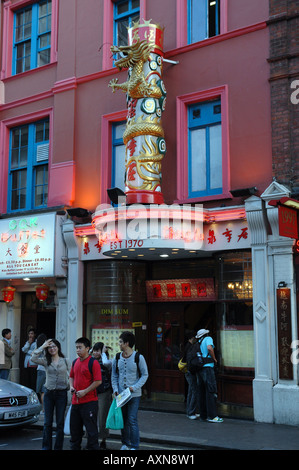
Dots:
(146, 99)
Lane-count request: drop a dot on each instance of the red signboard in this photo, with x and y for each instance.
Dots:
(180, 290)
(284, 327)
(171, 290)
(288, 223)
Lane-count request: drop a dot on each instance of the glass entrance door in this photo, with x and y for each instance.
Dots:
(167, 338)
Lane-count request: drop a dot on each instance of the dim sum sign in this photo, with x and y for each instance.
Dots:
(27, 246)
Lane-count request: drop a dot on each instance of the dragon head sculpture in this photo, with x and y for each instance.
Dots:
(131, 55)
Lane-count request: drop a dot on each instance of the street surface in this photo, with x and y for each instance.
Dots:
(30, 438)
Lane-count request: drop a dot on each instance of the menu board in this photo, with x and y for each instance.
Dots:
(108, 336)
(27, 246)
(237, 348)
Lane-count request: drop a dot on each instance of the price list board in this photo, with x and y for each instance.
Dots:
(109, 336)
(237, 348)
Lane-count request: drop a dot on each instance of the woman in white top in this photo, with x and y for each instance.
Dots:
(57, 368)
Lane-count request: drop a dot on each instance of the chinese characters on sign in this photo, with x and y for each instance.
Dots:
(180, 290)
(110, 336)
(221, 236)
(284, 333)
(27, 246)
(228, 234)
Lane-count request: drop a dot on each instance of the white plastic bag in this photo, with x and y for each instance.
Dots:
(67, 430)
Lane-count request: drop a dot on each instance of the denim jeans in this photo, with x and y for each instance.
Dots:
(207, 392)
(130, 432)
(54, 399)
(85, 414)
(192, 403)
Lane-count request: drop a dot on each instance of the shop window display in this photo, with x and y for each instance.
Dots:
(115, 302)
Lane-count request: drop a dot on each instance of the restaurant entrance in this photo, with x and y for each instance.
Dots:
(230, 326)
(170, 324)
(39, 316)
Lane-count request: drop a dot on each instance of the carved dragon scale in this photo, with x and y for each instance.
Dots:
(146, 98)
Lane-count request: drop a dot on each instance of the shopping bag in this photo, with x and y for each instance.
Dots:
(67, 430)
(182, 366)
(115, 417)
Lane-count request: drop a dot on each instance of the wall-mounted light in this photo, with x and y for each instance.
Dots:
(287, 201)
(78, 212)
(116, 196)
(244, 191)
(282, 284)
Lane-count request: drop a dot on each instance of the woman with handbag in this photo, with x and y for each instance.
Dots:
(57, 369)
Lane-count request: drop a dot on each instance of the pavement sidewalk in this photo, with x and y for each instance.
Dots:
(233, 434)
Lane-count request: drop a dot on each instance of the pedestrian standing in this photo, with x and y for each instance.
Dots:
(57, 369)
(85, 377)
(41, 372)
(126, 372)
(207, 380)
(30, 369)
(192, 401)
(8, 353)
(104, 391)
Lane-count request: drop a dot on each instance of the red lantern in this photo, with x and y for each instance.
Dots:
(42, 292)
(8, 293)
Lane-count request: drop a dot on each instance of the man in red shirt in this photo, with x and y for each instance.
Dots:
(84, 379)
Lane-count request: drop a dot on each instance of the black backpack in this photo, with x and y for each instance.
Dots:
(195, 359)
(90, 363)
(106, 379)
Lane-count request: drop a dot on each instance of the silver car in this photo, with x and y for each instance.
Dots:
(19, 405)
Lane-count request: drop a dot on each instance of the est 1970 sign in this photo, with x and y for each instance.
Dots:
(27, 246)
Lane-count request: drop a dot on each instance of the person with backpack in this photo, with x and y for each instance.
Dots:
(104, 391)
(206, 378)
(129, 370)
(192, 399)
(85, 377)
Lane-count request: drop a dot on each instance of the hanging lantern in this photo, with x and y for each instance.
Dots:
(42, 292)
(8, 293)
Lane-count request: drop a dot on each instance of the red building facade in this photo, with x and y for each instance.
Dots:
(57, 109)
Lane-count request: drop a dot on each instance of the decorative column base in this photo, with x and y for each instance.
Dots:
(263, 400)
(286, 404)
(144, 197)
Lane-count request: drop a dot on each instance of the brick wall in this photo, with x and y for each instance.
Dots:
(284, 70)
